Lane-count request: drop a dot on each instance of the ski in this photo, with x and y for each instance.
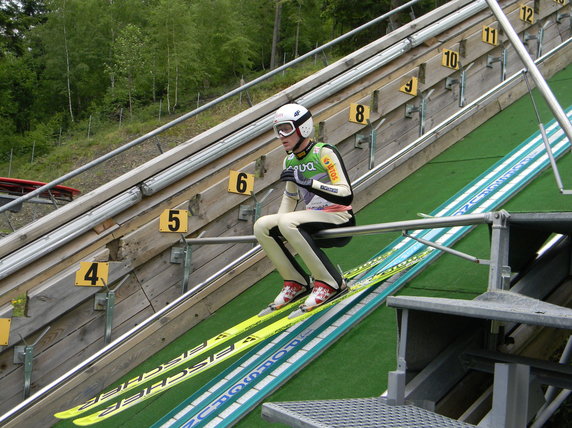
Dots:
(186, 356)
(201, 349)
(238, 347)
(352, 273)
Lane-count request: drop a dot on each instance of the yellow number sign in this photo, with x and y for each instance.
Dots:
(490, 35)
(92, 274)
(174, 221)
(4, 331)
(410, 87)
(450, 59)
(359, 113)
(526, 14)
(241, 182)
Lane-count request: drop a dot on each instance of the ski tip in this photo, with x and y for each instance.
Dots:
(67, 414)
(271, 308)
(83, 422)
(265, 311)
(297, 313)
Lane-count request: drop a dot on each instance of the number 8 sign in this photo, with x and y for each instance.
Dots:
(359, 113)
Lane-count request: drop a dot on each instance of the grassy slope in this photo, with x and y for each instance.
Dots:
(356, 366)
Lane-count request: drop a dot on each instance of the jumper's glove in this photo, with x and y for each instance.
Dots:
(297, 177)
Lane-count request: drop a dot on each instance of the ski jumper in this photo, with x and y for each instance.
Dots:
(327, 205)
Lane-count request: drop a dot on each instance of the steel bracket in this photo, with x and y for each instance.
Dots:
(24, 354)
(177, 255)
(186, 256)
(461, 81)
(370, 139)
(561, 16)
(410, 109)
(105, 301)
(260, 167)
(539, 37)
(252, 212)
(502, 59)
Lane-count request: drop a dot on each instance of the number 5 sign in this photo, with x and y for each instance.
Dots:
(174, 221)
(241, 182)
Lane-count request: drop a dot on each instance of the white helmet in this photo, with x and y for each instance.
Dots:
(293, 117)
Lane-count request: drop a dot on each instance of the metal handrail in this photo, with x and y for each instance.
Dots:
(370, 229)
(208, 105)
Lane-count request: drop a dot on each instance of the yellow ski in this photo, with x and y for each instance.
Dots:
(201, 349)
(237, 347)
(178, 361)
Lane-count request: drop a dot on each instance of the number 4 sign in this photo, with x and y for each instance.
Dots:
(92, 274)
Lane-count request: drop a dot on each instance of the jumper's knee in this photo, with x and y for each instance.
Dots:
(286, 226)
(262, 226)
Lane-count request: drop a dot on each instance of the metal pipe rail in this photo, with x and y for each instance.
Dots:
(343, 232)
(205, 107)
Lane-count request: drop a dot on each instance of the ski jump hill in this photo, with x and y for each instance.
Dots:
(419, 104)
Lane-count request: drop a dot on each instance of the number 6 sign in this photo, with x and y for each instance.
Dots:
(241, 182)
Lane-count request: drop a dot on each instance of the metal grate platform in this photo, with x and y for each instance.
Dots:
(360, 412)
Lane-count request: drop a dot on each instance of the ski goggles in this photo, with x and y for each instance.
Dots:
(284, 129)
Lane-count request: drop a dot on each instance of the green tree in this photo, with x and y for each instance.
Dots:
(346, 16)
(225, 51)
(16, 18)
(174, 65)
(303, 27)
(130, 62)
(76, 45)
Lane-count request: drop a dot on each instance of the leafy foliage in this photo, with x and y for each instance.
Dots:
(67, 61)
